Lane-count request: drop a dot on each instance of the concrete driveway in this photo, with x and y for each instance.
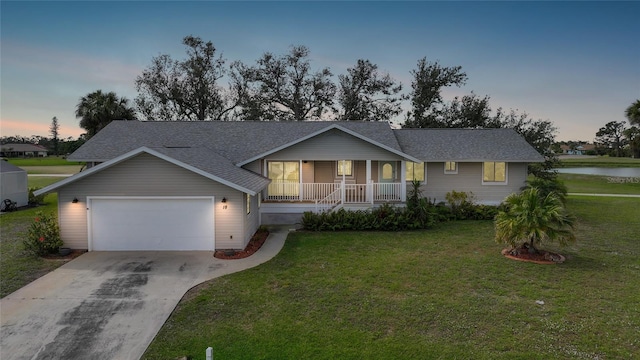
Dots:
(109, 305)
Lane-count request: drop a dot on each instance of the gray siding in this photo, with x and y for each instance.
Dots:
(252, 220)
(13, 185)
(469, 179)
(333, 145)
(146, 175)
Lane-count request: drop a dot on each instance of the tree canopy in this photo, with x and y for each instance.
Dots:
(97, 109)
(283, 88)
(426, 92)
(185, 90)
(612, 136)
(366, 94)
(633, 113)
(54, 130)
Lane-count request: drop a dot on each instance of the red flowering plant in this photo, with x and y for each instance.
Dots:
(43, 236)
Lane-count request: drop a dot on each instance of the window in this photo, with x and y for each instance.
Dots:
(248, 204)
(450, 167)
(285, 178)
(346, 167)
(415, 171)
(493, 171)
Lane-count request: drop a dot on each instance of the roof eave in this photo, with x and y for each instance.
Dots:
(316, 133)
(130, 154)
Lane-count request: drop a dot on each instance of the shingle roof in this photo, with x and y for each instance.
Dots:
(214, 164)
(234, 140)
(219, 148)
(22, 148)
(7, 167)
(466, 145)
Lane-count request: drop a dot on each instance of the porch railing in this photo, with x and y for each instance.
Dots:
(330, 201)
(349, 194)
(386, 192)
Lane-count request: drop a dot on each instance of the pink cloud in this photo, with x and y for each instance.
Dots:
(9, 127)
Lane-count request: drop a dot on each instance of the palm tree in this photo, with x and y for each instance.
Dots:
(633, 113)
(97, 109)
(532, 219)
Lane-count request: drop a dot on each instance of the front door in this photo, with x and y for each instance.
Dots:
(386, 178)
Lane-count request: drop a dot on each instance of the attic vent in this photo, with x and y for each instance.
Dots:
(177, 146)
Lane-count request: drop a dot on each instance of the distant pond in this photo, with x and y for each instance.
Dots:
(621, 172)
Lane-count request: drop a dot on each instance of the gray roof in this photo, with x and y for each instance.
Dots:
(22, 148)
(466, 145)
(214, 164)
(235, 140)
(6, 167)
(220, 148)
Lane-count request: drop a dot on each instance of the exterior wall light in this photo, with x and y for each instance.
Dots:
(224, 200)
(75, 200)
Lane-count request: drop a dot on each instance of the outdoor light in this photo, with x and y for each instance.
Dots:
(75, 200)
(224, 199)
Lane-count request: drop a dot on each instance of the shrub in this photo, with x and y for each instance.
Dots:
(35, 200)
(532, 219)
(548, 186)
(43, 236)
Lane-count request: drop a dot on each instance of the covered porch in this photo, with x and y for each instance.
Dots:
(329, 183)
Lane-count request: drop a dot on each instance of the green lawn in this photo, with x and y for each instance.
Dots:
(438, 294)
(45, 161)
(599, 161)
(595, 184)
(59, 169)
(18, 268)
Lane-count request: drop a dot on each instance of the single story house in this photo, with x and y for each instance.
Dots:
(580, 149)
(22, 150)
(13, 184)
(209, 185)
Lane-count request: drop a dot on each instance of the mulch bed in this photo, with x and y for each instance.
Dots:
(254, 245)
(542, 257)
(74, 254)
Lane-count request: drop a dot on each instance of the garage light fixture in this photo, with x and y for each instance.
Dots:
(224, 200)
(75, 200)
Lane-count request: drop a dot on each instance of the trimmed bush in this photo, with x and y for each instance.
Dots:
(43, 236)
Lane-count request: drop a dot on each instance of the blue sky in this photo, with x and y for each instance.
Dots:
(576, 64)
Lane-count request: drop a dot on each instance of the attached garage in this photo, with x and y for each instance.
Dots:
(151, 223)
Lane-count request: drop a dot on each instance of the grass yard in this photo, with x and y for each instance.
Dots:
(599, 161)
(18, 268)
(595, 184)
(438, 294)
(42, 161)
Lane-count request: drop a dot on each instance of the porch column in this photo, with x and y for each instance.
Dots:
(403, 181)
(342, 186)
(369, 195)
(300, 187)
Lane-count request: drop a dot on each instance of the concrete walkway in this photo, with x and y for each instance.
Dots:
(109, 305)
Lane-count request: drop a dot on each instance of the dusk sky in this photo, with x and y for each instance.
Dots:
(576, 64)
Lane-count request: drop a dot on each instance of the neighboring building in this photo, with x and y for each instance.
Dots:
(22, 150)
(580, 149)
(206, 185)
(13, 184)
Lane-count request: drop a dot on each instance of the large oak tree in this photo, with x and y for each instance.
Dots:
(366, 94)
(283, 88)
(185, 90)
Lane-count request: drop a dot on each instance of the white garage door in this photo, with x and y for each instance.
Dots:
(127, 223)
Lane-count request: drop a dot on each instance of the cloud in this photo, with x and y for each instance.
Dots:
(69, 65)
(9, 127)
